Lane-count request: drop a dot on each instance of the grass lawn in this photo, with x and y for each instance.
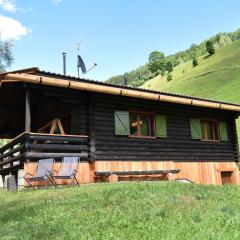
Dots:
(129, 210)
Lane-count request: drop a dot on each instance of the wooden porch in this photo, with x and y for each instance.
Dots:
(30, 147)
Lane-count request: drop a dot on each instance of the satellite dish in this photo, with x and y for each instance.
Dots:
(80, 64)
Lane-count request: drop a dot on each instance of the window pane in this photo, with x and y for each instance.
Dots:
(145, 123)
(209, 130)
(215, 131)
(133, 124)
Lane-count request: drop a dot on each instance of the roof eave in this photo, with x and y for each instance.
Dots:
(121, 91)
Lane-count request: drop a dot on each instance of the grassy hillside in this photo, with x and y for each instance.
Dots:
(130, 210)
(139, 76)
(216, 77)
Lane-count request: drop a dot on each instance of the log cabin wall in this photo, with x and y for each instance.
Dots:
(178, 146)
(97, 121)
(199, 161)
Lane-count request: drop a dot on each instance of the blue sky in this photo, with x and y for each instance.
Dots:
(116, 34)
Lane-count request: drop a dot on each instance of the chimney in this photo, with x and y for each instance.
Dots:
(64, 63)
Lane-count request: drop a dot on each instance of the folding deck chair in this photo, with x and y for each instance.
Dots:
(43, 173)
(68, 169)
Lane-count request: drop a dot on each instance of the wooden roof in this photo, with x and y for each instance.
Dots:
(35, 76)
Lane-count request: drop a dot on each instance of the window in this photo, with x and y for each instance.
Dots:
(210, 130)
(141, 124)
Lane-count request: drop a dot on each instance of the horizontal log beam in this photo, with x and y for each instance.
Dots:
(11, 169)
(20, 138)
(57, 147)
(125, 173)
(48, 137)
(93, 87)
(11, 152)
(12, 159)
(40, 155)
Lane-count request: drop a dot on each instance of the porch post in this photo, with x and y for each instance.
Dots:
(91, 134)
(27, 111)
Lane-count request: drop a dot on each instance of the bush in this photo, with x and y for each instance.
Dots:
(194, 62)
(169, 77)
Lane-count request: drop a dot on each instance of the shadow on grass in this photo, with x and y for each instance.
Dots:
(210, 72)
(207, 56)
(207, 73)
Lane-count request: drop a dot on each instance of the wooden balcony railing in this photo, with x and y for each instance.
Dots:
(35, 146)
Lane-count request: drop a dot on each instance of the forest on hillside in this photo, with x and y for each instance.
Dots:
(158, 63)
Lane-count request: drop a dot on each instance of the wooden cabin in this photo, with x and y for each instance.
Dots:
(122, 132)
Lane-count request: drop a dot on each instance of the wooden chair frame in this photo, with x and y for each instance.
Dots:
(49, 177)
(72, 176)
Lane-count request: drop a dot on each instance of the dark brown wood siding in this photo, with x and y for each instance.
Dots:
(48, 103)
(97, 121)
(178, 146)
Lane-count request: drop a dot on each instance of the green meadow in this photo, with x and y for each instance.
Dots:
(129, 210)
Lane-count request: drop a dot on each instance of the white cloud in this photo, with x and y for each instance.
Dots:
(11, 29)
(8, 5)
(56, 2)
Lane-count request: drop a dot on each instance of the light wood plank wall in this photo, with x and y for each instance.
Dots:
(85, 173)
(198, 172)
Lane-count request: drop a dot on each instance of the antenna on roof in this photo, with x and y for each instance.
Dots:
(78, 45)
(80, 62)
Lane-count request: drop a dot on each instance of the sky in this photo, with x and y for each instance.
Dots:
(118, 35)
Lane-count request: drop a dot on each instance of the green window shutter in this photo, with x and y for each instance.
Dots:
(223, 131)
(122, 123)
(161, 126)
(196, 131)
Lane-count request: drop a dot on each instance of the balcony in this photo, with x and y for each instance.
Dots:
(30, 147)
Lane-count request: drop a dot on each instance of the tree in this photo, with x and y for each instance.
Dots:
(194, 62)
(157, 63)
(156, 56)
(210, 47)
(126, 78)
(193, 50)
(169, 66)
(6, 58)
